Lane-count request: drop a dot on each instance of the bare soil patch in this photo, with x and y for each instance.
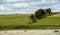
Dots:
(55, 15)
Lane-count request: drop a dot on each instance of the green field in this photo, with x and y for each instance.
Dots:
(21, 20)
(49, 21)
(6, 20)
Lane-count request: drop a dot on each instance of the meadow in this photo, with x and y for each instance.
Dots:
(20, 21)
(48, 21)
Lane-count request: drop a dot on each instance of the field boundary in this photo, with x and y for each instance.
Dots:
(30, 27)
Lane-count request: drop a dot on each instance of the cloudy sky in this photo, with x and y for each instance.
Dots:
(27, 6)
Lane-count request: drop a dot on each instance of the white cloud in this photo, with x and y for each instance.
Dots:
(10, 0)
(18, 5)
(28, 6)
(3, 8)
(15, 0)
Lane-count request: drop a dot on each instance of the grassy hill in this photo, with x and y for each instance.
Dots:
(49, 21)
(19, 20)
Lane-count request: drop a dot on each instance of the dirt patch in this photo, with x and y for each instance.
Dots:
(55, 15)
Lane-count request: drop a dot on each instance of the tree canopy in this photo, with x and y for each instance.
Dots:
(40, 13)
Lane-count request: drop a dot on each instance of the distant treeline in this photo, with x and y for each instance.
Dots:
(56, 13)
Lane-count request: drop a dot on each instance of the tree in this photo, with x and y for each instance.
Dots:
(39, 13)
(32, 18)
(48, 11)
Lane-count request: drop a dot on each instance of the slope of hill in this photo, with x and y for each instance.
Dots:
(20, 21)
(49, 21)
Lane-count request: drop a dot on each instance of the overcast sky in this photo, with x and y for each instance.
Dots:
(27, 6)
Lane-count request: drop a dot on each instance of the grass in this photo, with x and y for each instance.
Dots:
(48, 21)
(6, 20)
(20, 21)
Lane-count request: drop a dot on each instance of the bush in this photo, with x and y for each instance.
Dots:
(32, 17)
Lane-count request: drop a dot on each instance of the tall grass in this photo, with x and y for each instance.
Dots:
(20, 19)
